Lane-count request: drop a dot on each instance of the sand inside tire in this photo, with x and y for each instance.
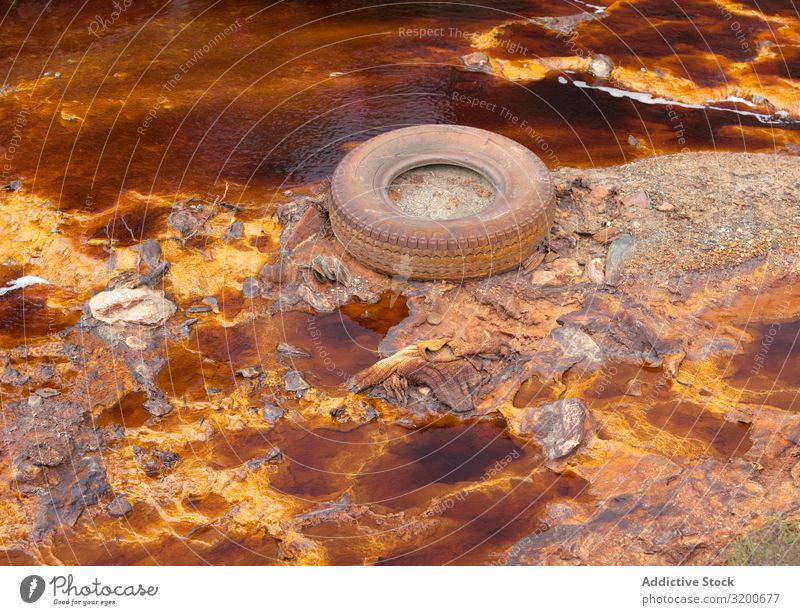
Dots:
(441, 192)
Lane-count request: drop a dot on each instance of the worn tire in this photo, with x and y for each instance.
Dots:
(376, 232)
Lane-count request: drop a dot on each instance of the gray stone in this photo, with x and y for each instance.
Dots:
(619, 252)
(576, 344)
(292, 351)
(272, 413)
(119, 507)
(251, 287)
(293, 381)
(557, 426)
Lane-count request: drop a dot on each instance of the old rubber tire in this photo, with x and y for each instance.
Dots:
(498, 238)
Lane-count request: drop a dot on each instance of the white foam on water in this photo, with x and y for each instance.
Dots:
(597, 8)
(649, 99)
(24, 281)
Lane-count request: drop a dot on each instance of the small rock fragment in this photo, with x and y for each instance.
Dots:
(135, 343)
(639, 199)
(157, 404)
(150, 252)
(274, 455)
(272, 413)
(119, 507)
(293, 382)
(634, 388)
(249, 372)
(595, 270)
(601, 66)
(477, 62)
(251, 287)
(235, 231)
(433, 318)
(46, 392)
(607, 234)
(288, 350)
(198, 309)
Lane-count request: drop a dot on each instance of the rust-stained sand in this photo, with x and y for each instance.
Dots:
(688, 436)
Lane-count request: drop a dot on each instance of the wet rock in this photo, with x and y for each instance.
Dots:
(358, 412)
(274, 455)
(157, 403)
(618, 254)
(137, 306)
(557, 427)
(12, 186)
(198, 309)
(119, 507)
(577, 345)
(80, 484)
(330, 269)
(293, 382)
(476, 62)
(272, 413)
(634, 388)
(634, 142)
(185, 326)
(234, 232)
(601, 66)
(156, 462)
(189, 217)
(249, 372)
(251, 288)
(565, 24)
(288, 350)
(150, 252)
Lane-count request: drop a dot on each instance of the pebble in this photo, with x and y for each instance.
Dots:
(119, 507)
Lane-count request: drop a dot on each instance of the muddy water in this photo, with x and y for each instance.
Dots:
(112, 120)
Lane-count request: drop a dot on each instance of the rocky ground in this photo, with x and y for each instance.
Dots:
(608, 358)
